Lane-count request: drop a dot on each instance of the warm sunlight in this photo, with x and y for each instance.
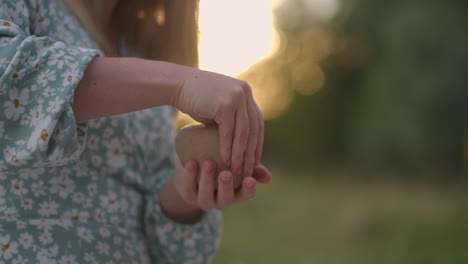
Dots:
(238, 38)
(234, 34)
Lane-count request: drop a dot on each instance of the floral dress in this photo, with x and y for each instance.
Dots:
(80, 192)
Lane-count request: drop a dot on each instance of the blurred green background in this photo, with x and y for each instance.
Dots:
(367, 137)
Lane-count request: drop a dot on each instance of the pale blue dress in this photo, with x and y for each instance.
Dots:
(80, 192)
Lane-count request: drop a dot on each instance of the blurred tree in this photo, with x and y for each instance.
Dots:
(411, 112)
(395, 95)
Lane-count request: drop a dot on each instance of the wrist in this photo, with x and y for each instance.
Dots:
(176, 75)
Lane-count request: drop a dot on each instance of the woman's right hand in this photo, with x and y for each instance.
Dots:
(210, 97)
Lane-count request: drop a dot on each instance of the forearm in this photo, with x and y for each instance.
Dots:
(174, 207)
(112, 86)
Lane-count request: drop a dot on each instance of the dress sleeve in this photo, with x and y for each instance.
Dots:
(174, 243)
(38, 77)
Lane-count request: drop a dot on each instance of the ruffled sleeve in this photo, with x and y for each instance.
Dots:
(38, 78)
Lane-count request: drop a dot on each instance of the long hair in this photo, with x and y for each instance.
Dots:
(165, 30)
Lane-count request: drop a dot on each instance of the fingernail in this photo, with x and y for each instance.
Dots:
(226, 178)
(191, 165)
(250, 184)
(208, 166)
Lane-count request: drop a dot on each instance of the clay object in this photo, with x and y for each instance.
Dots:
(201, 143)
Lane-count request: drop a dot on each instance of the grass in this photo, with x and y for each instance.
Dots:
(301, 219)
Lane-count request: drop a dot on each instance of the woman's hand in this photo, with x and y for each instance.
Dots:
(209, 97)
(202, 194)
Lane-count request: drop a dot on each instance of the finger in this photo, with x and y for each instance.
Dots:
(190, 182)
(249, 155)
(240, 137)
(206, 186)
(248, 190)
(261, 131)
(225, 190)
(226, 133)
(262, 175)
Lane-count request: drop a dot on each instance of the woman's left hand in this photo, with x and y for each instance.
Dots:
(203, 194)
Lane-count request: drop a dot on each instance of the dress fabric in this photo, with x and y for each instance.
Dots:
(80, 192)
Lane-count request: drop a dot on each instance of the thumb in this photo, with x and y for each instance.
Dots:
(262, 175)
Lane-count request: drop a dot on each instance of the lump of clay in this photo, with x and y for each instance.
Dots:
(201, 143)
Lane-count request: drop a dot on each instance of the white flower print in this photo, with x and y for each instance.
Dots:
(70, 193)
(115, 220)
(30, 173)
(57, 156)
(68, 259)
(49, 92)
(46, 238)
(26, 58)
(97, 122)
(73, 51)
(118, 240)
(26, 240)
(15, 157)
(36, 115)
(102, 248)
(59, 132)
(85, 234)
(191, 238)
(70, 76)
(109, 202)
(57, 59)
(38, 188)
(20, 225)
(87, 203)
(96, 160)
(117, 255)
(48, 208)
(104, 232)
(43, 224)
(15, 16)
(76, 215)
(93, 142)
(115, 155)
(65, 223)
(62, 185)
(78, 197)
(41, 134)
(4, 41)
(3, 89)
(8, 248)
(108, 132)
(27, 204)
(55, 106)
(15, 106)
(3, 63)
(10, 213)
(124, 205)
(17, 187)
(100, 215)
(89, 257)
(81, 168)
(65, 172)
(25, 120)
(129, 248)
(162, 232)
(45, 76)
